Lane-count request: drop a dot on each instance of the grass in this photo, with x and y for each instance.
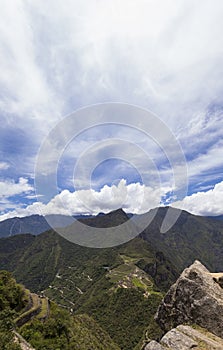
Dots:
(36, 305)
(128, 275)
(44, 309)
(138, 283)
(205, 332)
(129, 259)
(120, 272)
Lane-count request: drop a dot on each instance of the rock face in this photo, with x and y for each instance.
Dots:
(185, 338)
(195, 298)
(218, 277)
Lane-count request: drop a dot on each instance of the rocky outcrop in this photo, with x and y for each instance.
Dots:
(218, 277)
(24, 345)
(186, 338)
(195, 298)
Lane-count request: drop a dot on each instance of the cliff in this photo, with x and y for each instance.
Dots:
(192, 312)
(195, 298)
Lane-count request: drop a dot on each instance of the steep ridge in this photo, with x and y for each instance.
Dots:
(191, 237)
(114, 218)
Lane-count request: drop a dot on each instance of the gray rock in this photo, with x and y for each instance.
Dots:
(194, 298)
(208, 340)
(177, 340)
(153, 345)
(186, 338)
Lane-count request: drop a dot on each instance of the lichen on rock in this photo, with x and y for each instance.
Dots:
(195, 298)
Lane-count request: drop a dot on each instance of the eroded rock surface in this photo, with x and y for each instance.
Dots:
(195, 298)
(186, 338)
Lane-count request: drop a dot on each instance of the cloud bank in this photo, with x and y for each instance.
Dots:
(133, 198)
(204, 203)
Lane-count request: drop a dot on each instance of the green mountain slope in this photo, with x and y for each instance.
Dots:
(13, 249)
(56, 330)
(11, 303)
(192, 237)
(65, 332)
(107, 284)
(118, 287)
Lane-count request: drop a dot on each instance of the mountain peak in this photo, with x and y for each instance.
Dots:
(111, 219)
(116, 212)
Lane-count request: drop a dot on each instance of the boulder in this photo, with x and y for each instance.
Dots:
(186, 338)
(177, 340)
(195, 298)
(153, 345)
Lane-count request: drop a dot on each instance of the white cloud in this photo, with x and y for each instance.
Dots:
(134, 198)
(25, 91)
(4, 166)
(58, 56)
(204, 203)
(165, 55)
(9, 188)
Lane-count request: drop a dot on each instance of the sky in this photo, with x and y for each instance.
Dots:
(75, 59)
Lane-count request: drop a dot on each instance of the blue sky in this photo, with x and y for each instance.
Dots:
(165, 56)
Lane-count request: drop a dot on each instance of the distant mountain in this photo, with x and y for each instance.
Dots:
(191, 237)
(114, 218)
(219, 217)
(35, 224)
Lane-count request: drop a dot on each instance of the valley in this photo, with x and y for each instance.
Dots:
(118, 288)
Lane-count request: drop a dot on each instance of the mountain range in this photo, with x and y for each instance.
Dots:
(118, 287)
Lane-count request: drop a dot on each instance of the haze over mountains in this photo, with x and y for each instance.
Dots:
(36, 224)
(33, 224)
(194, 236)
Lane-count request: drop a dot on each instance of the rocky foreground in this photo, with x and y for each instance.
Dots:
(191, 312)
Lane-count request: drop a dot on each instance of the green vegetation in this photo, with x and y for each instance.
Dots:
(128, 275)
(114, 313)
(44, 309)
(112, 294)
(124, 314)
(33, 309)
(192, 237)
(11, 302)
(62, 331)
(59, 331)
(89, 281)
(11, 294)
